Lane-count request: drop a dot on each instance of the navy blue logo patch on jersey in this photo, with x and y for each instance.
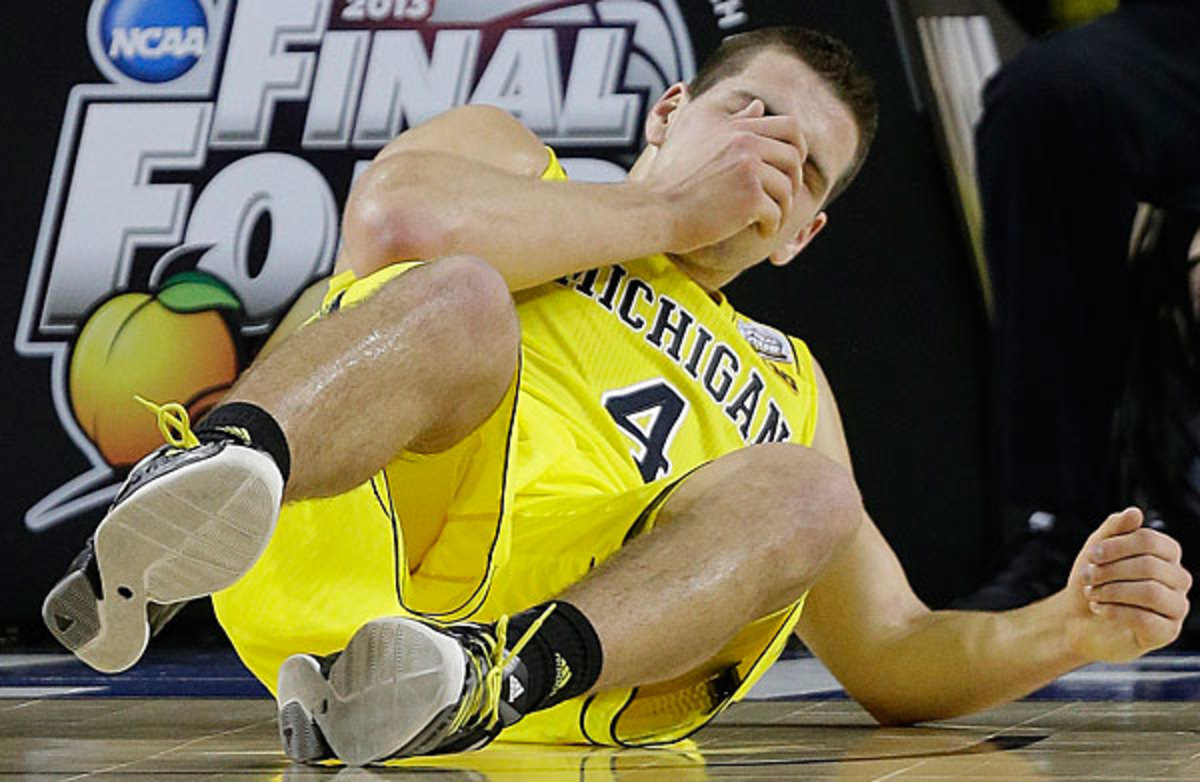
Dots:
(154, 41)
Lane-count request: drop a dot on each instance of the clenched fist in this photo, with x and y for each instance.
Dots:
(1127, 593)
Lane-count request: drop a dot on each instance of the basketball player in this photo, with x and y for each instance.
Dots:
(568, 493)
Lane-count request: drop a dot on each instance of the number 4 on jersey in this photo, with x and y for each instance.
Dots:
(649, 413)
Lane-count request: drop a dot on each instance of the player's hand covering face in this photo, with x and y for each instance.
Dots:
(748, 163)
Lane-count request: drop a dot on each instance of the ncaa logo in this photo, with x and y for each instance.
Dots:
(153, 41)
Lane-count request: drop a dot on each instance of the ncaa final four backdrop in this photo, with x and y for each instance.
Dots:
(178, 167)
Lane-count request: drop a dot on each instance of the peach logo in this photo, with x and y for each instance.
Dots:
(170, 346)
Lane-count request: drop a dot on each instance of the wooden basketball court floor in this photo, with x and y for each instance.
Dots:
(199, 716)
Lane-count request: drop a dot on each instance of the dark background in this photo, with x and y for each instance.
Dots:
(886, 298)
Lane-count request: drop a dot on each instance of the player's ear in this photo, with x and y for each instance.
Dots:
(793, 246)
(660, 114)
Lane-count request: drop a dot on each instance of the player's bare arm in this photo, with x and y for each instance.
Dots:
(486, 135)
(468, 182)
(1127, 595)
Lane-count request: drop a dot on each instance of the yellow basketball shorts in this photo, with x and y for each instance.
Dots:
(335, 563)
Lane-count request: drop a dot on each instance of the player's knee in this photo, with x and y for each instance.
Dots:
(819, 503)
(473, 340)
(478, 300)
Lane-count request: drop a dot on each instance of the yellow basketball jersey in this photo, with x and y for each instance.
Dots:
(634, 373)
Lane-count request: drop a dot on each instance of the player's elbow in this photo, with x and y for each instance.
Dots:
(390, 217)
(896, 707)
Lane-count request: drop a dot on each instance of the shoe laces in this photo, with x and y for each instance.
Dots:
(173, 422)
(483, 702)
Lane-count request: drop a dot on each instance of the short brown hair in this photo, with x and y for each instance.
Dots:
(831, 59)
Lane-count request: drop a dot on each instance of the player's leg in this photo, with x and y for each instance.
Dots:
(1058, 200)
(1059, 195)
(1059, 203)
(740, 538)
(417, 365)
